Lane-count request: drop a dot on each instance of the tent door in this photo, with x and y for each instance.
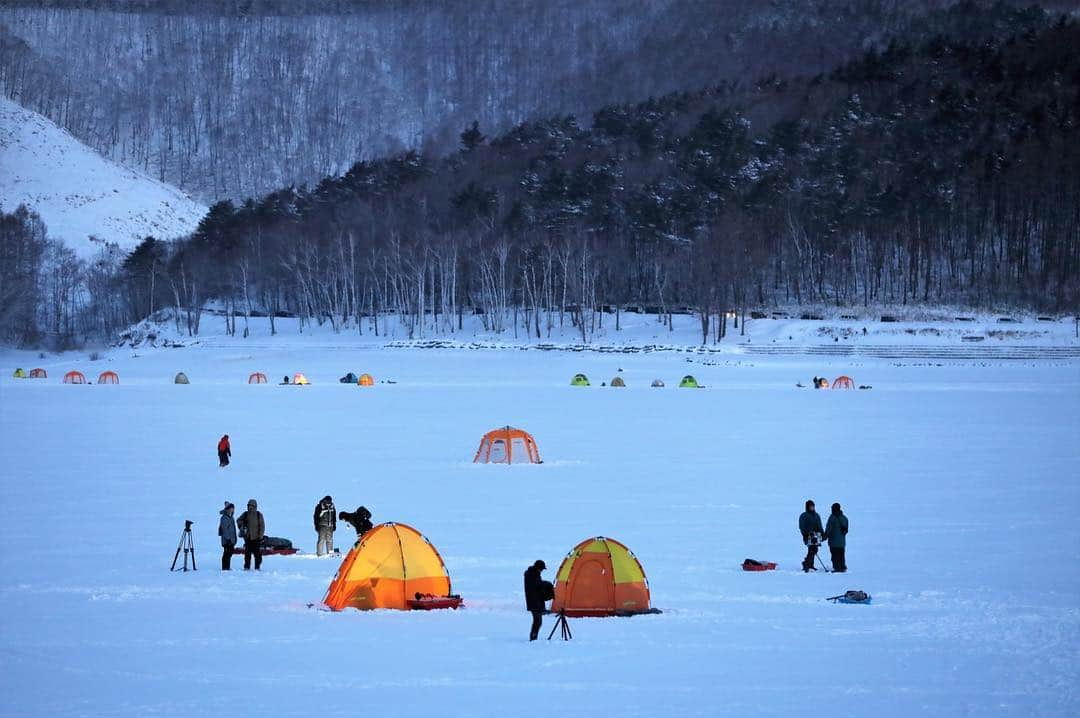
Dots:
(592, 584)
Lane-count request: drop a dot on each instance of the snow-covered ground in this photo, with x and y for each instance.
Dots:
(79, 193)
(959, 478)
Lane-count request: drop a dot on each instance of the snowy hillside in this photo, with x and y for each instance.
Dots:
(78, 193)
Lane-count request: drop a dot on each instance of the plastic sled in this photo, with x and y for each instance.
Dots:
(753, 565)
(428, 603)
(267, 551)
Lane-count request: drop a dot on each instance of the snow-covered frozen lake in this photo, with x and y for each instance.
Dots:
(960, 482)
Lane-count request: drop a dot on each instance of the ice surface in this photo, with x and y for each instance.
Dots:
(960, 482)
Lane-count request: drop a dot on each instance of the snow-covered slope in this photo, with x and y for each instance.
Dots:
(78, 192)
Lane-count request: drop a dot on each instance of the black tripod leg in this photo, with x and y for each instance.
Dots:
(191, 540)
(174, 559)
(553, 629)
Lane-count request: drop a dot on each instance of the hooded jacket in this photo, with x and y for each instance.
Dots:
(809, 522)
(254, 523)
(836, 529)
(227, 529)
(223, 446)
(534, 593)
(325, 515)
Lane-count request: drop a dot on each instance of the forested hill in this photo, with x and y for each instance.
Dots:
(946, 172)
(234, 98)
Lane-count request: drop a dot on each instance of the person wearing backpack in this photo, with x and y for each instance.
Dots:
(810, 528)
(325, 518)
(227, 532)
(537, 591)
(252, 529)
(836, 532)
(359, 520)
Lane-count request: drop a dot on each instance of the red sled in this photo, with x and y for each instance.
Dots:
(428, 602)
(266, 551)
(752, 565)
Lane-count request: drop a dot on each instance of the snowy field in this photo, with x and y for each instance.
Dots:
(959, 479)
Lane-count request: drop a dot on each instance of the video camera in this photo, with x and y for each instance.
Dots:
(187, 525)
(813, 539)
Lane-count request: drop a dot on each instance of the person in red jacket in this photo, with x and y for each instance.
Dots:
(224, 451)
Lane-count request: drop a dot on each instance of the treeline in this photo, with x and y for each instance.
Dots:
(237, 98)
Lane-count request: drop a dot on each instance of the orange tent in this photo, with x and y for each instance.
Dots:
(108, 377)
(386, 568)
(843, 382)
(366, 380)
(507, 446)
(74, 377)
(257, 378)
(601, 577)
(300, 379)
(38, 374)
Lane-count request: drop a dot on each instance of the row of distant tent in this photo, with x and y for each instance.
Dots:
(688, 382)
(72, 377)
(395, 566)
(300, 380)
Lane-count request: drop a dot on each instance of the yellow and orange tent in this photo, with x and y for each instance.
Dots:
(300, 380)
(507, 446)
(601, 577)
(366, 380)
(386, 568)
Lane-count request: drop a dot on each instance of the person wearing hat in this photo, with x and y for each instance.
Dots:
(252, 528)
(325, 524)
(836, 531)
(810, 528)
(535, 595)
(227, 531)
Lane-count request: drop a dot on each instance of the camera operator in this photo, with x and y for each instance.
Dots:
(811, 530)
(537, 591)
(359, 520)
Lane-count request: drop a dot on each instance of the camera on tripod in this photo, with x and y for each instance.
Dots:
(187, 544)
(813, 539)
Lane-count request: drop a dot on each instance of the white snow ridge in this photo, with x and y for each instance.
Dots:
(79, 193)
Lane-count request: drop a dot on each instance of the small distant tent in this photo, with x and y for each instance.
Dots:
(366, 380)
(349, 378)
(257, 378)
(843, 382)
(108, 377)
(579, 380)
(386, 568)
(38, 374)
(181, 378)
(74, 377)
(689, 382)
(618, 381)
(20, 373)
(300, 379)
(658, 383)
(601, 577)
(507, 446)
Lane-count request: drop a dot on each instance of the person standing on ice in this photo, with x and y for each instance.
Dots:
(836, 531)
(325, 524)
(810, 528)
(535, 596)
(227, 532)
(252, 529)
(224, 450)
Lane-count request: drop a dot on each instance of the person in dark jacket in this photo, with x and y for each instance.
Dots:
(836, 532)
(224, 451)
(359, 520)
(227, 532)
(325, 518)
(252, 529)
(810, 528)
(534, 596)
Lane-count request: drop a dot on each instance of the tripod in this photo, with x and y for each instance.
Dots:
(187, 543)
(560, 622)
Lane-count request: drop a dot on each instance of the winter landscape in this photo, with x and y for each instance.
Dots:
(352, 238)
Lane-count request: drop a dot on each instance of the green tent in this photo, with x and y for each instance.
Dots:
(689, 382)
(20, 374)
(579, 380)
